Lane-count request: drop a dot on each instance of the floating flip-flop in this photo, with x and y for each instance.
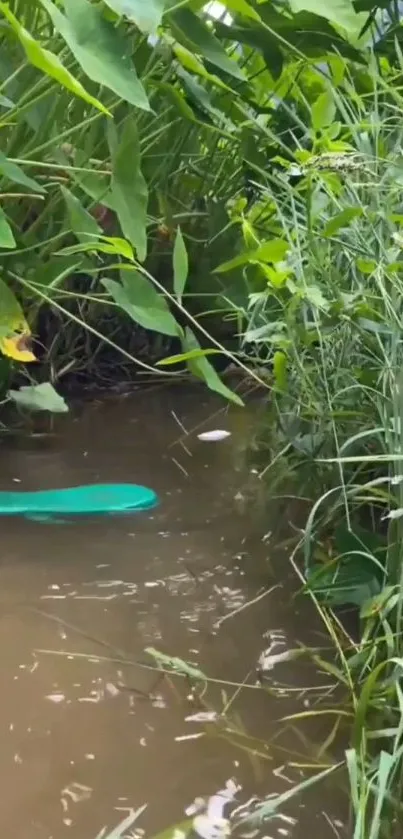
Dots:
(91, 500)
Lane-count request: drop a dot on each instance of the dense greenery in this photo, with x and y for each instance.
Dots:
(177, 188)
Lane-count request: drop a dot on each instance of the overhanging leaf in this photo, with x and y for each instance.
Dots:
(186, 356)
(180, 264)
(137, 296)
(341, 12)
(129, 189)
(6, 234)
(14, 173)
(323, 110)
(193, 33)
(47, 62)
(273, 250)
(41, 397)
(241, 7)
(202, 369)
(191, 62)
(81, 221)
(342, 220)
(99, 49)
(146, 14)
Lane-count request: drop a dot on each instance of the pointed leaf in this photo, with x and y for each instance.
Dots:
(41, 397)
(80, 220)
(340, 12)
(323, 110)
(193, 33)
(129, 189)
(14, 173)
(180, 265)
(191, 62)
(137, 296)
(241, 7)
(342, 220)
(146, 14)
(176, 98)
(202, 369)
(47, 62)
(6, 234)
(273, 250)
(186, 356)
(99, 49)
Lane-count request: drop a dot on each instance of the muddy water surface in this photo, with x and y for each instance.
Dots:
(86, 733)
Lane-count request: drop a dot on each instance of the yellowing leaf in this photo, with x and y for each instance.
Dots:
(15, 347)
(14, 330)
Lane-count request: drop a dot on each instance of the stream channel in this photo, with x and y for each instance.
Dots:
(89, 735)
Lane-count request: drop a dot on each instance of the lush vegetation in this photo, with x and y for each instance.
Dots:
(177, 189)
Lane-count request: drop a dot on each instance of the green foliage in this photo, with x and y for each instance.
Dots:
(244, 172)
(129, 190)
(180, 265)
(98, 48)
(138, 297)
(46, 61)
(41, 397)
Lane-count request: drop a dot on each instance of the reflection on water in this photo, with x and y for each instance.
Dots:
(91, 731)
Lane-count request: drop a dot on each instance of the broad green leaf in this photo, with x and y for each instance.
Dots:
(202, 369)
(272, 251)
(267, 52)
(5, 102)
(193, 33)
(342, 219)
(340, 12)
(6, 234)
(137, 296)
(366, 266)
(186, 356)
(81, 222)
(241, 7)
(116, 246)
(176, 98)
(120, 246)
(146, 14)
(94, 184)
(47, 61)
(53, 272)
(14, 329)
(129, 189)
(98, 47)
(201, 100)
(236, 262)
(191, 62)
(14, 173)
(41, 397)
(180, 265)
(323, 111)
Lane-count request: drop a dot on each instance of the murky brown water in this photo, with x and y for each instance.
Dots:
(79, 740)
